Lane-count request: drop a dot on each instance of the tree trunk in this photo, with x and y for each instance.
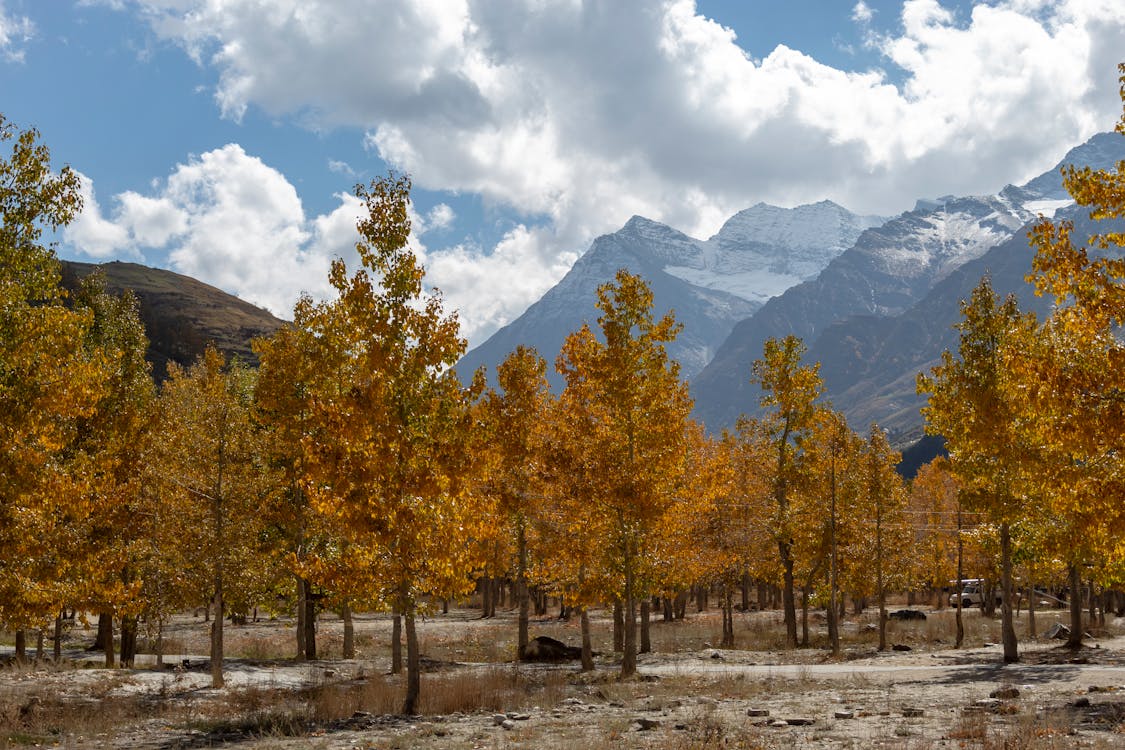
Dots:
(302, 592)
(349, 631)
(1075, 639)
(396, 643)
(56, 642)
(804, 617)
(521, 590)
(105, 629)
(310, 623)
(960, 579)
(1031, 630)
(1093, 603)
(21, 646)
(217, 636)
(629, 658)
(159, 642)
(1007, 624)
(745, 586)
(413, 665)
(618, 627)
(485, 597)
(667, 601)
(128, 640)
(728, 619)
(587, 651)
(788, 601)
(646, 641)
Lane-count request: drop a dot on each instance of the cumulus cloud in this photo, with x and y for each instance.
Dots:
(578, 115)
(227, 218)
(862, 12)
(14, 31)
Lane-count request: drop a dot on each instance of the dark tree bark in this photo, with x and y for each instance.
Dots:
(587, 650)
(646, 642)
(128, 640)
(1007, 623)
(349, 631)
(413, 665)
(396, 643)
(1074, 641)
(618, 628)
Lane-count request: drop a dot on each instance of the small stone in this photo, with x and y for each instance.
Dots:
(1082, 703)
(901, 647)
(779, 723)
(1005, 693)
(800, 722)
(706, 701)
(757, 712)
(521, 717)
(674, 703)
(913, 713)
(498, 719)
(508, 725)
(646, 724)
(844, 714)
(717, 655)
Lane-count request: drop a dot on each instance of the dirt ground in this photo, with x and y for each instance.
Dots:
(688, 694)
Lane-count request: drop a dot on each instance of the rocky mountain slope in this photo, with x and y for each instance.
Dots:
(912, 270)
(710, 284)
(181, 315)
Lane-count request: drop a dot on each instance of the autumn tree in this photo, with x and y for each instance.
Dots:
(289, 373)
(973, 403)
(513, 435)
(388, 453)
(830, 498)
(209, 459)
(625, 402)
(48, 381)
(109, 450)
(1075, 374)
(888, 532)
(789, 392)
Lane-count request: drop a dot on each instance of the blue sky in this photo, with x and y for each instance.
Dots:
(220, 139)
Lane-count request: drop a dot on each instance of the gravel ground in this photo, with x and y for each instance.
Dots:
(687, 695)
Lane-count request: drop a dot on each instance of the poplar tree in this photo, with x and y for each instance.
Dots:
(388, 459)
(625, 403)
(790, 391)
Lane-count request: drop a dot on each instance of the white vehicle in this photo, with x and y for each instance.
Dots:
(972, 595)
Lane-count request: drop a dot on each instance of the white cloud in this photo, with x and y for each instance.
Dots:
(581, 114)
(14, 31)
(862, 12)
(340, 167)
(230, 220)
(440, 217)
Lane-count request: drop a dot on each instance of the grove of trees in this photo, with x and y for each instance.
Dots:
(354, 470)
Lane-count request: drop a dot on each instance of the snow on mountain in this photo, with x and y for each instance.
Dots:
(762, 251)
(709, 284)
(888, 270)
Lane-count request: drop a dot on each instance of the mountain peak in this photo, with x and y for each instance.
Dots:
(1100, 151)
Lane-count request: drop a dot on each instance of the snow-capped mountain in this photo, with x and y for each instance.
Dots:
(710, 284)
(888, 271)
(762, 251)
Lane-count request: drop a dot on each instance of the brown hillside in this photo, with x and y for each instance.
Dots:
(181, 314)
